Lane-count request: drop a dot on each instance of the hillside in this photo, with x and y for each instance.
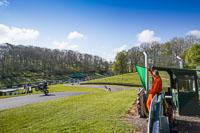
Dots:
(129, 79)
(21, 64)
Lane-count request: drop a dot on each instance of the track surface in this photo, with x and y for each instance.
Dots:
(12, 102)
(113, 88)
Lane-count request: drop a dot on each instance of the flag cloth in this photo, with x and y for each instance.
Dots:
(142, 74)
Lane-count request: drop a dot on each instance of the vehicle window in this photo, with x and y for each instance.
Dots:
(165, 79)
(186, 83)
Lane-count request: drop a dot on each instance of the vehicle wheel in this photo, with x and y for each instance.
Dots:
(141, 104)
(46, 92)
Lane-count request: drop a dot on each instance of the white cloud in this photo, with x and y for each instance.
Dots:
(110, 55)
(75, 35)
(64, 45)
(120, 49)
(194, 33)
(147, 36)
(4, 3)
(13, 34)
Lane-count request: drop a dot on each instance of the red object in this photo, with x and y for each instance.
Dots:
(156, 88)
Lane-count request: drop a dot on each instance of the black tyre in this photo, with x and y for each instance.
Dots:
(46, 92)
(141, 104)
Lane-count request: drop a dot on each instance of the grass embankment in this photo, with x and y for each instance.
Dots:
(23, 78)
(95, 112)
(131, 79)
(124, 79)
(28, 78)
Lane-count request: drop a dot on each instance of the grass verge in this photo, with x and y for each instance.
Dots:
(59, 88)
(96, 112)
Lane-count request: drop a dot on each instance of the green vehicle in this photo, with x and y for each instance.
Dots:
(180, 94)
(183, 90)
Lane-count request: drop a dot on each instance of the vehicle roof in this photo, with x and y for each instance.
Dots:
(176, 71)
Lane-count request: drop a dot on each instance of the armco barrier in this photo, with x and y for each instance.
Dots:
(53, 82)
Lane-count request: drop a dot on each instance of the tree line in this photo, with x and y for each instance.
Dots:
(23, 59)
(188, 48)
(16, 59)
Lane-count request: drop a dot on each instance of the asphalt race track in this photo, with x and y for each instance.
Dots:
(113, 88)
(18, 101)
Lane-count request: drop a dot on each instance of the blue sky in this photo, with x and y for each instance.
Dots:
(99, 27)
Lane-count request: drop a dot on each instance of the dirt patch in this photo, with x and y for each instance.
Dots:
(188, 124)
(133, 118)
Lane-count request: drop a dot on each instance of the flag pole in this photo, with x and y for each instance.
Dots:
(146, 66)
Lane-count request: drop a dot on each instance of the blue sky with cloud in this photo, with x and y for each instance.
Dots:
(100, 27)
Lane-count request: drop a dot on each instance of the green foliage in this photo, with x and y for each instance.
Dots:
(95, 112)
(193, 56)
(166, 49)
(16, 60)
(120, 66)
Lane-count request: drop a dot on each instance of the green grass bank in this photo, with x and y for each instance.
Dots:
(126, 79)
(96, 112)
(129, 79)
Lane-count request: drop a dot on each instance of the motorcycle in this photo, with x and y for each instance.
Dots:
(43, 88)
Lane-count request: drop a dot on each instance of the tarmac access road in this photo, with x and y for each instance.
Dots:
(18, 101)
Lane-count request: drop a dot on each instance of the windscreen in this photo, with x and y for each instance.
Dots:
(186, 83)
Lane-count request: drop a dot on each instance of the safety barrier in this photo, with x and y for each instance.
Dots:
(52, 82)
